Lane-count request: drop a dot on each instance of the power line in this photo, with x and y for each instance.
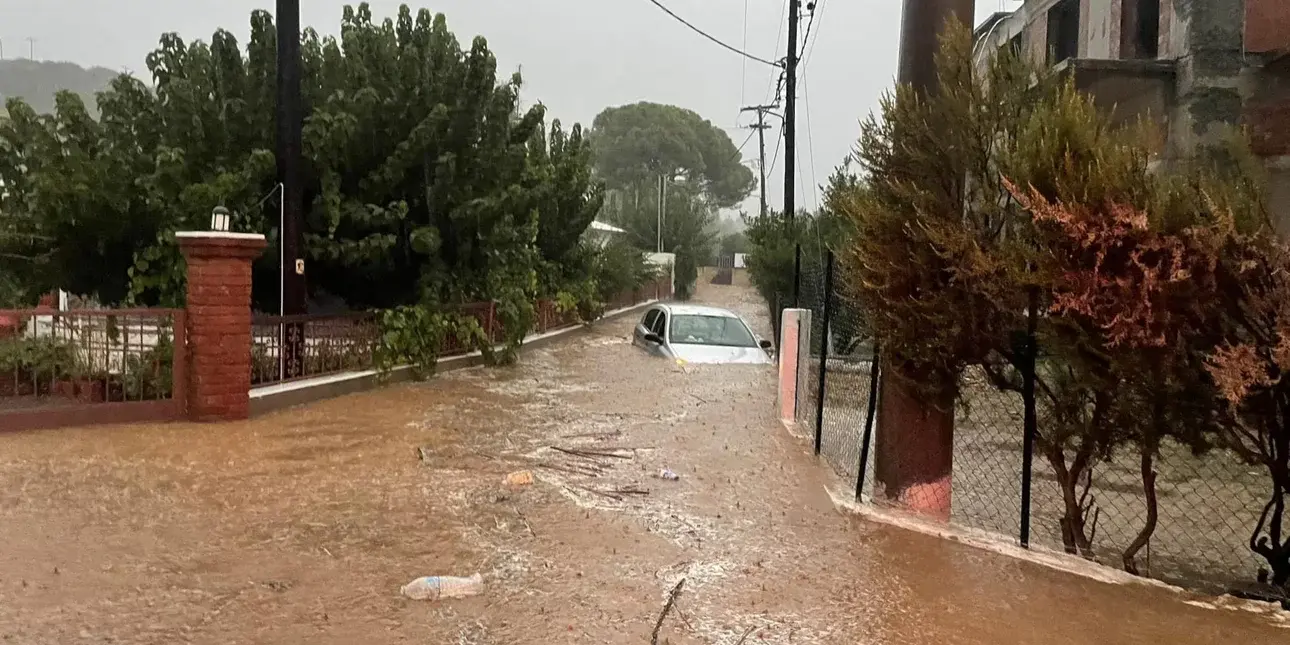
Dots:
(743, 72)
(714, 39)
(810, 141)
(740, 151)
(774, 86)
(809, 45)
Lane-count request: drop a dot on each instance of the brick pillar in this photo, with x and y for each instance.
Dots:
(219, 322)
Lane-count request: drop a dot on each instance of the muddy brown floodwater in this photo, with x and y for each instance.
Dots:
(300, 527)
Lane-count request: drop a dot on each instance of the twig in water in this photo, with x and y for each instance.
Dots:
(590, 454)
(593, 435)
(568, 469)
(746, 635)
(671, 600)
(520, 513)
(617, 498)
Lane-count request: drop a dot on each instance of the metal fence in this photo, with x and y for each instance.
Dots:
(70, 367)
(1008, 467)
(331, 344)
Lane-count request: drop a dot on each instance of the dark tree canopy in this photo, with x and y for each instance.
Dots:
(638, 143)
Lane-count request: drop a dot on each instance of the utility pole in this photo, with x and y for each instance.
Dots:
(790, 138)
(31, 49)
(921, 25)
(659, 226)
(761, 128)
(914, 450)
(290, 126)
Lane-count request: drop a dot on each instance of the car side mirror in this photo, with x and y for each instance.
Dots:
(653, 338)
(767, 345)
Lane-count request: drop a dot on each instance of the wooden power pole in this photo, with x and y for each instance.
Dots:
(914, 450)
(290, 127)
(761, 128)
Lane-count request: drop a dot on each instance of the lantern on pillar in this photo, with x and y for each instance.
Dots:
(220, 219)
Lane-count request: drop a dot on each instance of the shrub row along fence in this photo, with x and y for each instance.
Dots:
(79, 367)
(347, 342)
(1014, 474)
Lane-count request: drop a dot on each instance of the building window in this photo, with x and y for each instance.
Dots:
(1016, 46)
(1140, 29)
(1063, 31)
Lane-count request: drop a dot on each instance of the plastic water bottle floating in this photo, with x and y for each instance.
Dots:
(443, 587)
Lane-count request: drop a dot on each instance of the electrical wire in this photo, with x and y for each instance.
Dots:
(808, 47)
(740, 151)
(775, 87)
(743, 72)
(710, 37)
(810, 141)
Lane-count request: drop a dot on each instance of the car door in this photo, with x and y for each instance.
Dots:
(643, 328)
(659, 329)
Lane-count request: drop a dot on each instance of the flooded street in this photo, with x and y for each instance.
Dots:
(300, 527)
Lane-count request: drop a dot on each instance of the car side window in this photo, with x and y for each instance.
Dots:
(660, 325)
(650, 317)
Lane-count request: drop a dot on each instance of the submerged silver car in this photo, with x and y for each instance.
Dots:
(698, 334)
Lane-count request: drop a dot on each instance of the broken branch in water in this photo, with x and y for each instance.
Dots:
(584, 471)
(593, 435)
(590, 454)
(667, 608)
(746, 635)
(617, 498)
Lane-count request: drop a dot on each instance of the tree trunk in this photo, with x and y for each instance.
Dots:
(1149, 490)
(1075, 539)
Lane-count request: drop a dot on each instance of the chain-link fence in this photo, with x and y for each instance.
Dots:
(1018, 466)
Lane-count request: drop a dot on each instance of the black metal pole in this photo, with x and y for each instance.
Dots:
(874, 375)
(824, 352)
(1029, 361)
(790, 140)
(290, 126)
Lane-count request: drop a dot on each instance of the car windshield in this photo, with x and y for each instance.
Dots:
(723, 331)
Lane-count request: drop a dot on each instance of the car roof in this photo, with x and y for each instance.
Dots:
(698, 310)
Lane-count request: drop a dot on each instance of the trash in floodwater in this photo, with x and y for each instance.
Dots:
(520, 478)
(443, 587)
(667, 474)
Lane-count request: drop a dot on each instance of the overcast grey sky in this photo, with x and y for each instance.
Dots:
(578, 56)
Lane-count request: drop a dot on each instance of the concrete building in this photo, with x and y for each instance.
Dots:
(1191, 65)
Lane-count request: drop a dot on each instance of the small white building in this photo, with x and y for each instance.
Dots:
(600, 233)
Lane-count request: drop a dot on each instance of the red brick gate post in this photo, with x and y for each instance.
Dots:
(219, 322)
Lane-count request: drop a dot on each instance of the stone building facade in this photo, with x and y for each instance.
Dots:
(1191, 65)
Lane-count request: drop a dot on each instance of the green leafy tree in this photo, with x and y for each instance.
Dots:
(636, 144)
(425, 180)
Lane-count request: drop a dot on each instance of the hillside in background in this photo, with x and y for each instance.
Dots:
(39, 81)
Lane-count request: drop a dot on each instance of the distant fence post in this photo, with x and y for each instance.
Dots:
(824, 352)
(219, 322)
(796, 324)
(1029, 361)
(874, 374)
